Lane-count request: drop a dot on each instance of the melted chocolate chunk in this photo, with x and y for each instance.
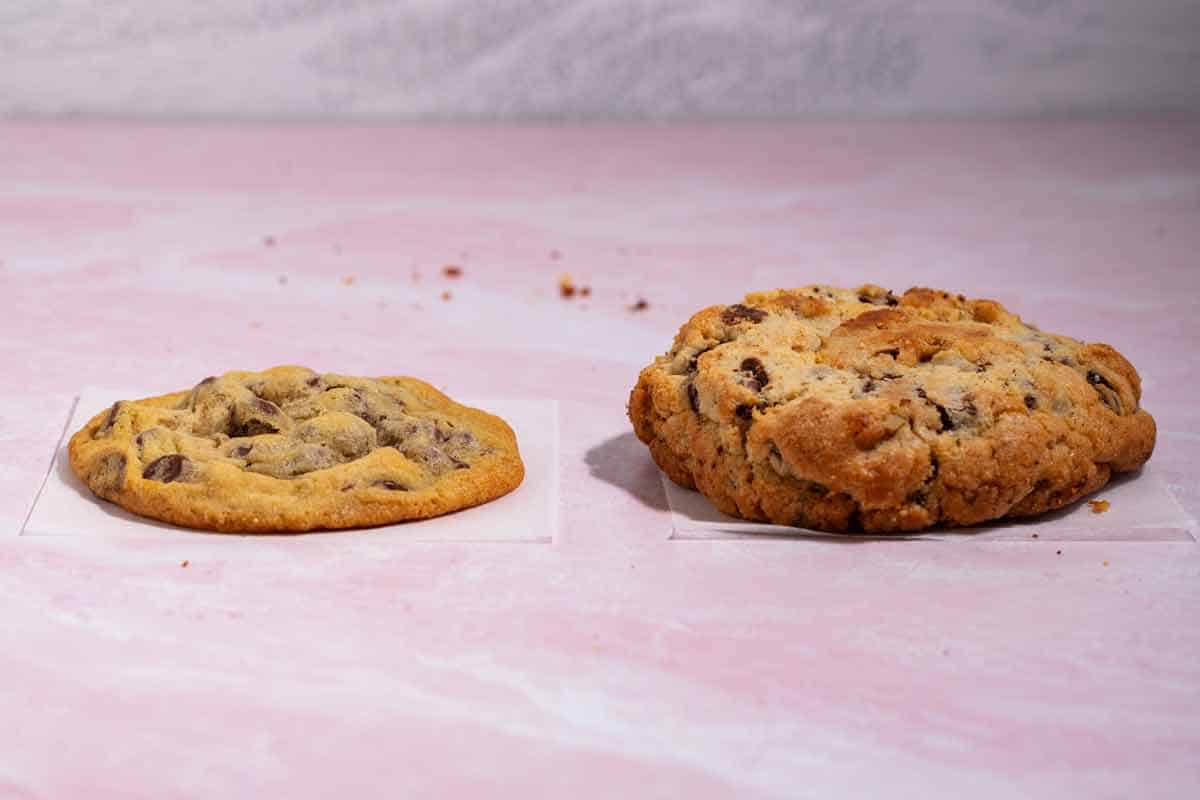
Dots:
(166, 468)
(1031, 402)
(106, 427)
(888, 299)
(1108, 393)
(869, 386)
(738, 312)
(744, 411)
(693, 397)
(757, 372)
(944, 416)
(391, 486)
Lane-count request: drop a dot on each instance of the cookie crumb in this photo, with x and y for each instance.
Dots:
(283, 280)
(585, 291)
(566, 287)
(452, 271)
(1058, 552)
(446, 296)
(1098, 506)
(1106, 563)
(268, 241)
(555, 255)
(348, 280)
(1035, 536)
(183, 563)
(640, 305)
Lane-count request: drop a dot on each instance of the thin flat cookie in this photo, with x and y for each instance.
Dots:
(288, 449)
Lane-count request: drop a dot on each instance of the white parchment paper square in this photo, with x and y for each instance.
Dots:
(1141, 508)
(65, 507)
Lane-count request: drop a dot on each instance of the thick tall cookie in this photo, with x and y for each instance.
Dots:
(856, 410)
(291, 450)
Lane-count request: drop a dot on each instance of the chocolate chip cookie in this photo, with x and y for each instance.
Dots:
(859, 410)
(289, 449)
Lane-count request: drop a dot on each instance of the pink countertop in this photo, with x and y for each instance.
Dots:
(612, 660)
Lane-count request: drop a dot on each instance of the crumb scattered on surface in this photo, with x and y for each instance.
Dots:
(566, 286)
(585, 291)
(283, 280)
(446, 295)
(348, 280)
(255, 324)
(1035, 536)
(1098, 506)
(268, 241)
(555, 255)
(1058, 552)
(183, 563)
(640, 305)
(1106, 563)
(452, 271)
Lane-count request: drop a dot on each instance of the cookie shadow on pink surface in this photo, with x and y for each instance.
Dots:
(623, 462)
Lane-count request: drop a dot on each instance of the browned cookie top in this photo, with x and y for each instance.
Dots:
(291, 449)
(858, 409)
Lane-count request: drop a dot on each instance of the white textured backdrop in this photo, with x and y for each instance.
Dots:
(597, 58)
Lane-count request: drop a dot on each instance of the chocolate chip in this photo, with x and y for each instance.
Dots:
(1031, 402)
(888, 299)
(934, 466)
(106, 427)
(459, 463)
(347, 487)
(242, 450)
(166, 468)
(693, 397)
(108, 475)
(944, 416)
(744, 411)
(314, 381)
(1047, 348)
(391, 486)
(921, 393)
(1108, 393)
(266, 406)
(869, 386)
(758, 374)
(738, 312)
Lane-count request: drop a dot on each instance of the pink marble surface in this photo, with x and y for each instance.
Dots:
(612, 661)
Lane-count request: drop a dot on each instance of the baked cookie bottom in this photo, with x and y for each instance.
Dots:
(858, 411)
(288, 450)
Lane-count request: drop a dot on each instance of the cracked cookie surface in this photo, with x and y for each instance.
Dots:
(860, 410)
(288, 449)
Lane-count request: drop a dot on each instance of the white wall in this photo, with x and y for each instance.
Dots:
(597, 58)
